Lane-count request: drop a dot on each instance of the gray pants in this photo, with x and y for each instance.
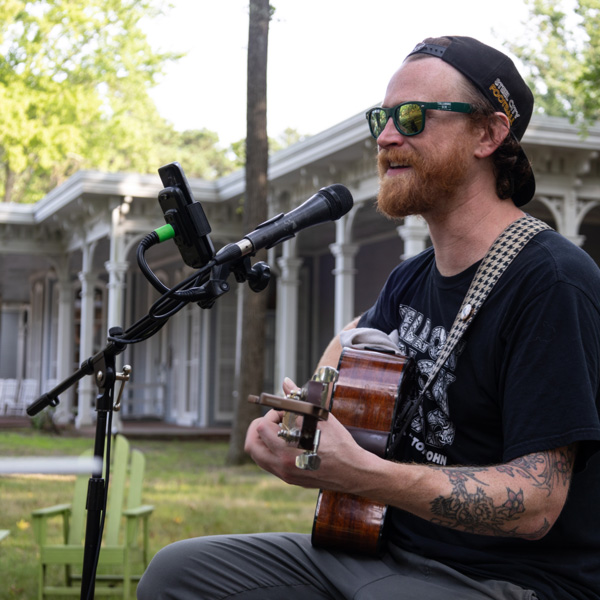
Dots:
(283, 566)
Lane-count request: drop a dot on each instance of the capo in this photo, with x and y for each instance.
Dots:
(313, 404)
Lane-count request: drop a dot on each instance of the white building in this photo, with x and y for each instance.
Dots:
(68, 270)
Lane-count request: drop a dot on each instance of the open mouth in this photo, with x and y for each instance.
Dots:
(392, 163)
(394, 167)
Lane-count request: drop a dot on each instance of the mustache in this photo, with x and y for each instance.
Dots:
(387, 156)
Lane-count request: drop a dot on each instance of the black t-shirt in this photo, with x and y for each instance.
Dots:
(524, 379)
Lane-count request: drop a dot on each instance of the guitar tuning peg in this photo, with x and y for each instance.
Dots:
(310, 460)
(319, 390)
(288, 429)
(326, 375)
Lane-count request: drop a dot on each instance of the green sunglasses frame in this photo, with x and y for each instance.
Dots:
(459, 107)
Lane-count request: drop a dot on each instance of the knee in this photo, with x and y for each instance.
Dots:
(156, 580)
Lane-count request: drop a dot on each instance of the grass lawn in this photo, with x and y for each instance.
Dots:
(193, 493)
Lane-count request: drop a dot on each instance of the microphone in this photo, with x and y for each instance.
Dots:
(328, 204)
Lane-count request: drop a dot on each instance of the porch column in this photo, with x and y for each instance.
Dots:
(22, 337)
(344, 273)
(64, 356)
(116, 291)
(87, 389)
(286, 341)
(116, 267)
(114, 317)
(414, 232)
(573, 212)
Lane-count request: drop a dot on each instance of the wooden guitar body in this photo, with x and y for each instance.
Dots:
(365, 401)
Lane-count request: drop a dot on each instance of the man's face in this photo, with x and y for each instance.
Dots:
(426, 172)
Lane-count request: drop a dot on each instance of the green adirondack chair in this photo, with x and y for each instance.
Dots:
(124, 545)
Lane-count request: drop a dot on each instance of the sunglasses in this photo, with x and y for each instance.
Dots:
(409, 117)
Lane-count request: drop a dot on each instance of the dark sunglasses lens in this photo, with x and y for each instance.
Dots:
(409, 119)
(377, 121)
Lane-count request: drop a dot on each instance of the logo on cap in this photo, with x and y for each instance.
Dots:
(500, 91)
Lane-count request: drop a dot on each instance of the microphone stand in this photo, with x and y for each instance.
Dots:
(104, 373)
(102, 366)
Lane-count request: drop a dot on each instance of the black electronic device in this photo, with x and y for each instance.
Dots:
(186, 216)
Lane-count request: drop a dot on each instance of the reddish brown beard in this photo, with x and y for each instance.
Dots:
(430, 184)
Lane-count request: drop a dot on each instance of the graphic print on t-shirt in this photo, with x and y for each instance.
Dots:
(432, 429)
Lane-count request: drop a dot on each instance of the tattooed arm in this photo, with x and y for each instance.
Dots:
(522, 498)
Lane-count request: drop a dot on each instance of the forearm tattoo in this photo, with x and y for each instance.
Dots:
(475, 511)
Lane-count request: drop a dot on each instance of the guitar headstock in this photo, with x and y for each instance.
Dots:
(304, 408)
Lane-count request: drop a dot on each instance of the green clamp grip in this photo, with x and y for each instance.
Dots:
(166, 232)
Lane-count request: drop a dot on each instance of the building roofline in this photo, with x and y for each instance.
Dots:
(542, 130)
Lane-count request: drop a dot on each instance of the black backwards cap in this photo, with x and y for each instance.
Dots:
(496, 77)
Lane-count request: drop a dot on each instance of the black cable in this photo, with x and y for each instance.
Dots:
(181, 298)
(171, 301)
(150, 240)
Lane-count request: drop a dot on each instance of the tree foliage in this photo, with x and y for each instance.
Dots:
(561, 51)
(75, 77)
(198, 151)
(74, 80)
(289, 136)
(74, 93)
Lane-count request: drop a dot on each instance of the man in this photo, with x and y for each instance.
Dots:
(509, 508)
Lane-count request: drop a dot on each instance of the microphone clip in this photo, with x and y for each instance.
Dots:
(258, 275)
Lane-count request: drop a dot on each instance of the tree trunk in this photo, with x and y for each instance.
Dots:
(252, 365)
(9, 183)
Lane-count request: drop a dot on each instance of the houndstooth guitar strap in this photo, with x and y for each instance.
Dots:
(506, 247)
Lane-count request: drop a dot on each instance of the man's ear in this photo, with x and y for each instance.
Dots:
(493, 135)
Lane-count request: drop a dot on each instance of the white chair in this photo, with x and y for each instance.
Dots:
(9, 396)
(27, 394)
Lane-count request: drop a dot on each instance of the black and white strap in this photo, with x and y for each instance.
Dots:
(506, 247)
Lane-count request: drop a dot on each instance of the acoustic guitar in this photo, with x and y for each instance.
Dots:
(365, 398)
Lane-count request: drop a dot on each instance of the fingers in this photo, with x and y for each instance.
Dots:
(267, 449)
(288, 386)
(256, 429)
